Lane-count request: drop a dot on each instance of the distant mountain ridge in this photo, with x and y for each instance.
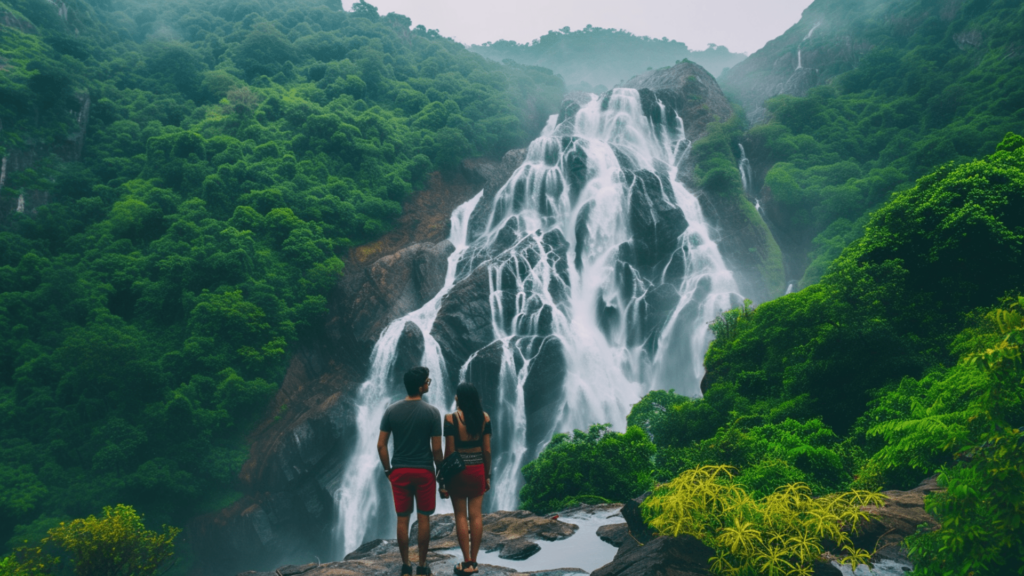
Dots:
(595, 58)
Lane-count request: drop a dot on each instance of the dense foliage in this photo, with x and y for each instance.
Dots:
(596, 465)
(166, 264)
(782, 534)
(903, 362)
(940, 83)
(117, 544)
(596, 59)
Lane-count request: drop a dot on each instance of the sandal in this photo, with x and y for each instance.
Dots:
(406, 569)
(460, 568)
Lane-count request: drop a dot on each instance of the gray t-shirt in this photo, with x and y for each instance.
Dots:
(412, 423)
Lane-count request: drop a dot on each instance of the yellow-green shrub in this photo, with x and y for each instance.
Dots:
(780, 534)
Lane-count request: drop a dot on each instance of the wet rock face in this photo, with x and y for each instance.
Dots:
(519, 549)
(463, 323)
(396, 285)
(410, 350)
(900, 516)
(686, 88)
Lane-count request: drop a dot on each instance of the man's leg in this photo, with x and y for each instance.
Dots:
(403, 539)
(422, 538)
(403, 492)
(426, 493)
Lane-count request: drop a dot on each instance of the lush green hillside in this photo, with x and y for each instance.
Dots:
(152, 290)
(931, 83)
(596, 59)
(904, 357)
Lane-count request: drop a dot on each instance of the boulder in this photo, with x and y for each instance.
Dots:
(614, 534)
(410, 347)
(634, 519)
(519, 549)
(900, 516)
(662, 556)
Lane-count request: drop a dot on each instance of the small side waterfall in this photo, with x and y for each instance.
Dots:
(601, 276)
(799, 52)
(21, 203)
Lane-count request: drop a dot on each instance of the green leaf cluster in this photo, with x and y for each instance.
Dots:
(117, 544)
(596, 465)
(780, 534)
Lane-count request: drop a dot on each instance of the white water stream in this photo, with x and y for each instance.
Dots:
(603, 277)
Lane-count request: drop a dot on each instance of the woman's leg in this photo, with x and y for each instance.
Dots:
(461, 527)
(476, 525)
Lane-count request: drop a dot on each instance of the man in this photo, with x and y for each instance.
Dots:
(417, 429)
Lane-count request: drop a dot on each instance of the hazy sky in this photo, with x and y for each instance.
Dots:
(742, 25)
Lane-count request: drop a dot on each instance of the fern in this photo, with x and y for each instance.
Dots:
(780, 534)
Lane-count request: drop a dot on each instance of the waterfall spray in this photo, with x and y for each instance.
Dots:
(602, 276)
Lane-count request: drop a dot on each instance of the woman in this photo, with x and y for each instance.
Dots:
(468, 431)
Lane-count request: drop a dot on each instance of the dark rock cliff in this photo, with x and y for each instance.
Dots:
(749, 248)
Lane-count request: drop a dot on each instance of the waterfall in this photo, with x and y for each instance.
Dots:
(21, 203)
(602, 276)
(363, 495)
(799, 52)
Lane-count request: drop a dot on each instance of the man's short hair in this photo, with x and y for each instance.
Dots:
(415, 378)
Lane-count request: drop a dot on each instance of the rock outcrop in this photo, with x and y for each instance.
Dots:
(688, 89)
(662, 556)
(749, 248)
(514, 534)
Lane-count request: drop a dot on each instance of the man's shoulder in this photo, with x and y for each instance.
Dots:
(432, 408)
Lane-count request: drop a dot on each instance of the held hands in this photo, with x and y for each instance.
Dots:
(488, 489)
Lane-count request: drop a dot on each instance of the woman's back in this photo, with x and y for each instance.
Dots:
(464, 440)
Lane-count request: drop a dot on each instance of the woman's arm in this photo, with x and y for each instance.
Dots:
(487, 453)
(449, 441)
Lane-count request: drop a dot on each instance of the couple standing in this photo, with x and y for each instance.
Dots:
(416, 427)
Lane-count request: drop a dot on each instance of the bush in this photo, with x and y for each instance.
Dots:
(608, 465)
(780, 534)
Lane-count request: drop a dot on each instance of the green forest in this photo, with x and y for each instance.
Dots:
(596, 59)
(234, 150)
(176, 247)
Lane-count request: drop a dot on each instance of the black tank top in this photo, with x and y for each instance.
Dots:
(450, 429)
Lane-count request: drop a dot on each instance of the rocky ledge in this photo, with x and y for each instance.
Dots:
(514, 534)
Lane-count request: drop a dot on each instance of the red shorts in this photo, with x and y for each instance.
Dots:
(409, 482)
(469, 483)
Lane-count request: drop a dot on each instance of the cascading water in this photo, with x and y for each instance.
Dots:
(21, 203)
(799, 52)
(363, 489)
(601, 277)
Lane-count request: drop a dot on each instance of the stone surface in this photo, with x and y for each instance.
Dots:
(513, 533)
(463, 323)
(662, 556)
(614, 534)
(634, 520)
(519, 549)
(898, 518)
(688, 89)
(410, 350)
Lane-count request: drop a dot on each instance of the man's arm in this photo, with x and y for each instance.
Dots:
(435, 444)
(382, 450)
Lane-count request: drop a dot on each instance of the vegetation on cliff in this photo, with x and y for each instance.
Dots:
(939, 83)
(903, 362)
(597, 59)
(233, 149)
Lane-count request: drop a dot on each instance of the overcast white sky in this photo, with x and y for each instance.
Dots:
(742, 25)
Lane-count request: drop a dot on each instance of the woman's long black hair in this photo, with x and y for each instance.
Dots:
(469, 402)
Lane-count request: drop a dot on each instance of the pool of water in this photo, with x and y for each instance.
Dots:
(882, 568)
(583, 550)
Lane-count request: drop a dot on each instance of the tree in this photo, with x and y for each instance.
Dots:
(117, 544)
